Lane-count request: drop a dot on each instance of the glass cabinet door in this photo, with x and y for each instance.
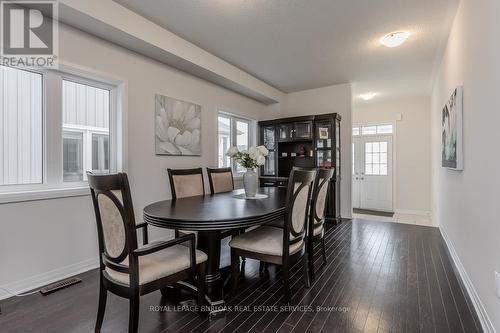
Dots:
(324, 136)
(302, 130)
(285, 132)
(269, 138)
(269, 141)
(269, 168)
(324, 158)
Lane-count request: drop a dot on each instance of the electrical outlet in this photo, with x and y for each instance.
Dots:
(497, 284)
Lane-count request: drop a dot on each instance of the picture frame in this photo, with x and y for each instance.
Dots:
(323, 133)
(177, 127)
(451, 131)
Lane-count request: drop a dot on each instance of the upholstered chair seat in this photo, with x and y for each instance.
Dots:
(159, 264)
(318, 229)
(265, 240)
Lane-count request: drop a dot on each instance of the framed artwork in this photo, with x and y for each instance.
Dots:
(451, 131)
(323, 133)
(177, 127)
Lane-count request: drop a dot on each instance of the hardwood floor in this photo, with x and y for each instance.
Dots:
(380, 277)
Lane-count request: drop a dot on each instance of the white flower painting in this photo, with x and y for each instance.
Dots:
(451, 131)
(178, 127)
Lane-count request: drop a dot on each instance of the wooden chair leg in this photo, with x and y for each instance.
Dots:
(133, 320)
(323, 250)
(305, 273)
(286, 283)
(201, 284)
(103, 295)
(310, 255)
(235, 260)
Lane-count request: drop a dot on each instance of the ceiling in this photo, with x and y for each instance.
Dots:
(296, 45)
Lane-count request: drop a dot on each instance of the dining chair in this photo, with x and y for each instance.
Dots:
(130, 271)
(280, 246)
(186, 183)
(316, 225)
(220, 179)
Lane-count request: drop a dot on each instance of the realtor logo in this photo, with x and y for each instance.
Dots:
(28, 33)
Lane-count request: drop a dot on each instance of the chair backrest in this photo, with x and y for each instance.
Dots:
(115, 218)
(220, 179)
(300, 185)
(319, 196)
(186, 182)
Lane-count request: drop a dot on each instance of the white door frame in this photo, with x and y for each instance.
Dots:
(394, 150)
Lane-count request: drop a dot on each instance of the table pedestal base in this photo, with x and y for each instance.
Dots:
(209, 242)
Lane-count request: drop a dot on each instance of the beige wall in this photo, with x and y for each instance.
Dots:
(412, 148)
(331, 99)
(466, 203)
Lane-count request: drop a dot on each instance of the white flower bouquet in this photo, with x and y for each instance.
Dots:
(251, 159)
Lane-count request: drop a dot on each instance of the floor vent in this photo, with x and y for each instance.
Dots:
(59, 285)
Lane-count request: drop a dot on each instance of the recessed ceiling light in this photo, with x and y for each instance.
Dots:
(395, 38)
(368, 96)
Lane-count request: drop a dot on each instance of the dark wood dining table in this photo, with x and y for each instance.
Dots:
(210, 215)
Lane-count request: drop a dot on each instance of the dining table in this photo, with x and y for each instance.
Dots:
(210, 216)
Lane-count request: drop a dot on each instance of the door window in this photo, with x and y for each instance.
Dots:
(376, 158)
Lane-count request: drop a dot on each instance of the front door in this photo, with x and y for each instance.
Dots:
(372, 172)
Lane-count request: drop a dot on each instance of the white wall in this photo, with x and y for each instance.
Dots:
(331, 99)
(44, 240)
(466, 203)
(413, 143)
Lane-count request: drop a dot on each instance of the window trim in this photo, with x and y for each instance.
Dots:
(52, 185)
(252, 123)
(360, 126)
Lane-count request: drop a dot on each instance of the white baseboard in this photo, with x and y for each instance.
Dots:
(476, 301)
(43, 279)
(413, 212)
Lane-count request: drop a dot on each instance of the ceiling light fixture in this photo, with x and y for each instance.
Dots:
(368, 96)
(395, 39)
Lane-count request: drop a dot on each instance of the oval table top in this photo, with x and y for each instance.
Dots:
(220, 211)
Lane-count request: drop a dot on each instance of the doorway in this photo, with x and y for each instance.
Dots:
(372, 167)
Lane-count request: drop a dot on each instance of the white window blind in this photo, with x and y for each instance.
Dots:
(21, 131)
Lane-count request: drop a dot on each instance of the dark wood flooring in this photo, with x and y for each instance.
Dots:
(380, 277)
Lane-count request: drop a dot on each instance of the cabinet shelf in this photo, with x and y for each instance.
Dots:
(302, 156)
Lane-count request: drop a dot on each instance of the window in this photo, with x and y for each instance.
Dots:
(72, 156)
(54, 127)
(376, 158)
(233, 131)
(86, 111)
(242, 139)
(372, 129)
(21, 121)
(224, 131)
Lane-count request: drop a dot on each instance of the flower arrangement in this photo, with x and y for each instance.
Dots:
(251, 159)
